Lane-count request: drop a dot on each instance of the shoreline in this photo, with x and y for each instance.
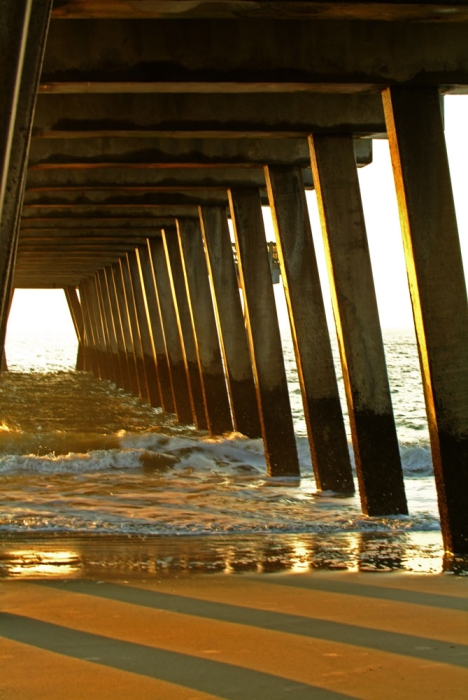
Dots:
(97, 555)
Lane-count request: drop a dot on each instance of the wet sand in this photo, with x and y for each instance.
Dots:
(183, 635)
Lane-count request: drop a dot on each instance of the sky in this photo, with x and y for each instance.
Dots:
(45, 311)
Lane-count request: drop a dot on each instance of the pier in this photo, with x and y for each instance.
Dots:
(134, 134)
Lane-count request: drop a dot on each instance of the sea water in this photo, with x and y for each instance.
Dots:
(81, 458)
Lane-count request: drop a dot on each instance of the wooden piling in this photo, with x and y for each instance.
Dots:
(149, 355)
(135, 329)
(153, 313)
(124, 362)
(375, 442)
(89, 313)
(309, 330)
(182, 399)
(113, 352)
(263, 333)
(76, 314)
(230, 319)
(205, 332)
(184, 324)
(105, 331)
(126, 328)
(90, 362)
(102, 335)
(438, 292)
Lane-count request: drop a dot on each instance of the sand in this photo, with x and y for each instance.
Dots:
(316, 635)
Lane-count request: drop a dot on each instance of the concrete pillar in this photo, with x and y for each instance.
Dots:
(76, 314)
(374, 435)
(23, 33)
(182, 399)
(263, 333)
(438, 292)
(124, 362)
(135, 329)
(309, 330)
(149, 355)
(90, 364)
(89, 307)
(153, 314)
(126, 329)
(218, 410)
(112, 349)
(230, 318)
(102, 338)
(184, 322)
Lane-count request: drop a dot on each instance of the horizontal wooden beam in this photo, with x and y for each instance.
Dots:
(203, 153)
(235, 9)
(148, 180)
(103, 223)
(111, 234)
(206, 116)
(113, 211)
(200, 88)
(261, 51)
(124, 198)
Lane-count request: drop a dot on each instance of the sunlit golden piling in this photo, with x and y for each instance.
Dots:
(357, 322)
(205, 333)
(76, 314)
(108, 321)
(185, 327)
(438, 292)
(322, 408)
(134, 329)
(263, 333)
(116, 325)
(147, 344)
(153, 314)
(230, 319)
(169, 319)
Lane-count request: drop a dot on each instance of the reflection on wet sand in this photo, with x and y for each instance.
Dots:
(116, 557)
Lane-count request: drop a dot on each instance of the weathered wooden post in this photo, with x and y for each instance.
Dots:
(135, 329)
(149, 355)
(76, 314)
(438, 291)
(110, 326)
(153, 314)
(263, 333)
(89, 315)
(309, 330)
(105, 331)
(90, 352)
(101, 330)
(218, 411)
(124, 362)
(375, 442)
(184, 323)
(228, 308)
(126, 329)
(182, 399)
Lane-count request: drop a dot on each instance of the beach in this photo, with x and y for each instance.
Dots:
(239, 637)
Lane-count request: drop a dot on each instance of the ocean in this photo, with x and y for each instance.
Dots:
(82, 461)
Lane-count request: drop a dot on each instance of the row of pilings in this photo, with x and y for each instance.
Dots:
(166, 319)
(162, 317)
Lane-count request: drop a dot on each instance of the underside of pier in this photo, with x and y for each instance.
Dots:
(136, 135)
